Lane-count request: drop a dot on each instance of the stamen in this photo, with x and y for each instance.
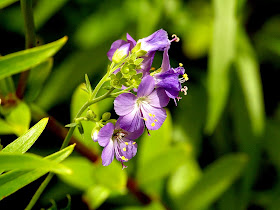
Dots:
(154, 115)
(153, 124)
(153, 68)
(134, 143)
(145, 119)
(123, 158)
(126, 143)
(155, 120)
(150, 114)
(124, 149)
(180, 64)
(185, 76)
(185, 89)
(175, 38)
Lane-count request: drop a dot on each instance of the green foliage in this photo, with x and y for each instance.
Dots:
(214, 181)
(14, 180)
(5, 3)
(20, 61)
(220, 60)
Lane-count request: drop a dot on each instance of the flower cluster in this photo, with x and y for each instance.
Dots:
(150, 90)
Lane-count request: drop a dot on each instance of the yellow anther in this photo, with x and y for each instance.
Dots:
(153, 68)
(134, 143)
(123, 158)
(153, 124)
(185, 76)
(150, 114)
(145, 119)
(180, 64)
(126, 143)
(154, 115)
(155, 120)
(124, 149)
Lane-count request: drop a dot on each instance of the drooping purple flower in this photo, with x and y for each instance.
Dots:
(168, 78)
(143, 109)
(117, 142)
(157, 41)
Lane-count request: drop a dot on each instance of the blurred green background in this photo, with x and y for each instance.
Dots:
(218, 149)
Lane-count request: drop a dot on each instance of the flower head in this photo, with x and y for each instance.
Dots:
(168, 78)
(145, 109)
(117, 142)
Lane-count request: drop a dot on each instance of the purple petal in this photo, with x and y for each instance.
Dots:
(132, 121)
(135, 134)
(124, 103)
(158, 98)
(157, 41)
(147, 63)
(130, 40)
(153, 116)
(165, 66)
(128, 149)
(114, 47)
(105, 134)
(146, 86)
(107, 155)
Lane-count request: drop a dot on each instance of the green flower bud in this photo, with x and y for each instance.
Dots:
(91, 115)
(106, 116)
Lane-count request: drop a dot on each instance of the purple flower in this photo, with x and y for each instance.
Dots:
(119, 43)
(117, 142)
(168, 78)
(157, 41)
(143, 109)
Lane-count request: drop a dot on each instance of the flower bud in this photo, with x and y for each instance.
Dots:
(94, 132)
(106, 116)
(91, 115)
(121, 53)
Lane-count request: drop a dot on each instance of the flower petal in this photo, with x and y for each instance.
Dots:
(105, 134)
(156, 41)
(107, 155)
(146, 86)
(114, 47)
(124, 103)
(158, 98)
(131, 41)
(153, 116)
(132, 121)
(147, 63)
(165, 66)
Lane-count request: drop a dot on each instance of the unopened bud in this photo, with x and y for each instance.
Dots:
(121, 53)
(91, 115)
(106, 116)
(94, 133)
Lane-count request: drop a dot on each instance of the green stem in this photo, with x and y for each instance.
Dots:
(30, 41)
(64, 144)
(27, 11)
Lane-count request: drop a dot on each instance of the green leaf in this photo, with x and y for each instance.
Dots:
(12, 181)
(221, 55)
(183, 178)
(20, 61)
(5, 3)
(37, 77)
(249, 76)
(82, 176)
(19, 118)
(215, 180)
(111, 177)
(24, 142)
(45, 9)
(95, 196)
(12, 161)
(162, 165)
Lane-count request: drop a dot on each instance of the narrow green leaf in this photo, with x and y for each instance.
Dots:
(24, 142)
(12, 181)
(12, 161)
(19, 118)
(221, 55)
(5, 3)
(23, 60)
(249, 75)
(215, 181)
